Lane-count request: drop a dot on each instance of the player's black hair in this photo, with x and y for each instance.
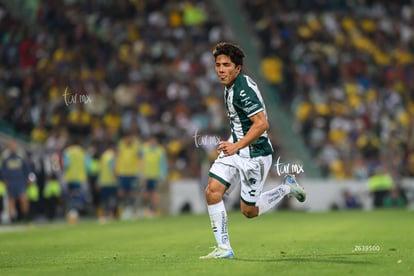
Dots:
(233, 51)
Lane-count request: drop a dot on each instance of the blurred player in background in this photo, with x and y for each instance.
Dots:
(76, 164)
(247, 156)
(154, 171)
(93, 178)
(127, 169)
(107, 183)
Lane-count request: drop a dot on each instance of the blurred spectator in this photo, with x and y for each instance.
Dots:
(347, 72)
(79, 120)
(351, 201)
(344, 68)
(39, 133)
(394, 199)
(126, 67)
(112, 121)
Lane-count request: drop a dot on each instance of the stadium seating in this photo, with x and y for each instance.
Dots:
(98, 69)
(344, 70)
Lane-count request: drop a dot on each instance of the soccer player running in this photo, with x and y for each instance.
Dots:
(246, 157)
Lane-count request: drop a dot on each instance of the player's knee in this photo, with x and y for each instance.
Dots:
(212, 196)
(250, 212)
(214, 191)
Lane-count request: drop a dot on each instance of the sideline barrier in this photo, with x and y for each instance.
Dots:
(322, 195)
(188, 195)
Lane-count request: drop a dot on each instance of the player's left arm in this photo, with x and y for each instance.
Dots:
(260, 125)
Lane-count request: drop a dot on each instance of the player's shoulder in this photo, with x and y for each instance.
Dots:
(245, 80)
(245, 85)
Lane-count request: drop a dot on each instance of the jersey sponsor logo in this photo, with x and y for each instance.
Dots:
(245, 99)
(251, 108)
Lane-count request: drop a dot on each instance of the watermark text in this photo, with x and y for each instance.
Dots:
(75, 98)
(288, 168)
(205, 140)
(367, 248)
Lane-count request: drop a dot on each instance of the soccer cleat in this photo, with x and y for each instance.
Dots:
(219, 253)
(295, 189)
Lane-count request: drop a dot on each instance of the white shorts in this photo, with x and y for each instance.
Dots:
(251, 173)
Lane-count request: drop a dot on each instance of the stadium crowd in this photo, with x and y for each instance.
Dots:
(100, 69)
(345, 70)
(97, 69)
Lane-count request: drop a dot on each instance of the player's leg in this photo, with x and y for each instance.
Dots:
(123, 190)
(221, 175)
(74, 193)
(151, 198)
(217, 212)
(113, 202)
(218, 218)
(296, 190)
(253, 201)
(1, 207)
(52, 203)
(104, 195)
(155, 198)
(271, 198)
(129, 212)
(214, 191)
(129, 187)
(24, 205)
(289, 187)
(74, 202)
(12, 209)
(253, 172)
(126, 196)
(145, 198)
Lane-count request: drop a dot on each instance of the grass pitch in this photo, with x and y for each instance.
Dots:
(280, 243)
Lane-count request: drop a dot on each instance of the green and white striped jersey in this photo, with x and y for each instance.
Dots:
(243, 100)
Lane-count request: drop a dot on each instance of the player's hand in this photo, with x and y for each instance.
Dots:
(227, 148)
